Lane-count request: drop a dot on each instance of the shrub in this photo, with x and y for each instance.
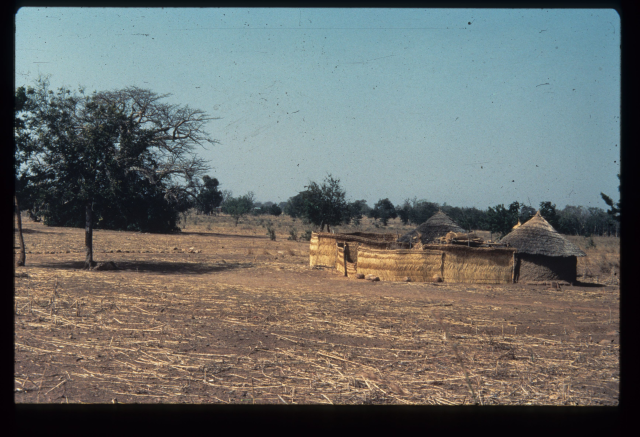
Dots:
(271, 230)
(293, 234)
(306, 236)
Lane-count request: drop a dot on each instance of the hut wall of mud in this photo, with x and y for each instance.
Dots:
(545, 268)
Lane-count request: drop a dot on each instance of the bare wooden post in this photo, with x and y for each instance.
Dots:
(346, 254)
(513, 268)
(22, 255)
(88, 236)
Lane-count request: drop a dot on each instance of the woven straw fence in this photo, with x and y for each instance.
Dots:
(451, 263)
(351, 266)
(323, 250)
(478, 265)
(395, 265)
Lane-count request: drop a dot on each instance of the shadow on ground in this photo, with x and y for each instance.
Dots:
(160, 267)
(215, 234)
(587, 285)
(29, 231)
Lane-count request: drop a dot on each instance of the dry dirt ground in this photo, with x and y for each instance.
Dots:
(244, 319)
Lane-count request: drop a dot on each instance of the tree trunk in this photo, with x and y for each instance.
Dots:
(22, 255)
(88, 237)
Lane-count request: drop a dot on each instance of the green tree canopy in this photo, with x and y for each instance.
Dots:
(238, 207)
(357, 209)
(323, 205)
(275, 210)
(421, 211)
(209, 196)
(384, 210)
(119, 159)
(295, 206)
(526, 212)
(502, 220)
(548, 211)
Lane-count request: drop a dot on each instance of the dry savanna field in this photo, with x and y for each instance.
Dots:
(222, 314)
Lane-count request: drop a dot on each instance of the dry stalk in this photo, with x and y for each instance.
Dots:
(41, 380)
(455, 350)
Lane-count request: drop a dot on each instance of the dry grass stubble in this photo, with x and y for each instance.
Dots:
(224, 327)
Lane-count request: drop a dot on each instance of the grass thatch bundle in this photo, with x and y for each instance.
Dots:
(437, 226)
(395, 265)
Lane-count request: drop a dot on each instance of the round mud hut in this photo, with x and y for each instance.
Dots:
(542, 253)
(437, 226)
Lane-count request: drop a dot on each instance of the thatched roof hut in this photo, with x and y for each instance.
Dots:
(543, 254)
(437, 226)
(537, 237)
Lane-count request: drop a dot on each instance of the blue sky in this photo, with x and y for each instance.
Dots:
(517, 105)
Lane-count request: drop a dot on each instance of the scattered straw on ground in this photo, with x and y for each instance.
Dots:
(186, 334)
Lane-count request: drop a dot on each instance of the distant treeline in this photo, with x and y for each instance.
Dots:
(325, 205)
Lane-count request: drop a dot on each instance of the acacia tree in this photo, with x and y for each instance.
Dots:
(94, 152)
(323, 205)
(238, 207)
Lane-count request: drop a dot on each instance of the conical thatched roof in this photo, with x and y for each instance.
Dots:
(537, 237)
(437, 226)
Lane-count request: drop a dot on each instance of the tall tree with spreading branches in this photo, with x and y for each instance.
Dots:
(322, 204)
(95, 154)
